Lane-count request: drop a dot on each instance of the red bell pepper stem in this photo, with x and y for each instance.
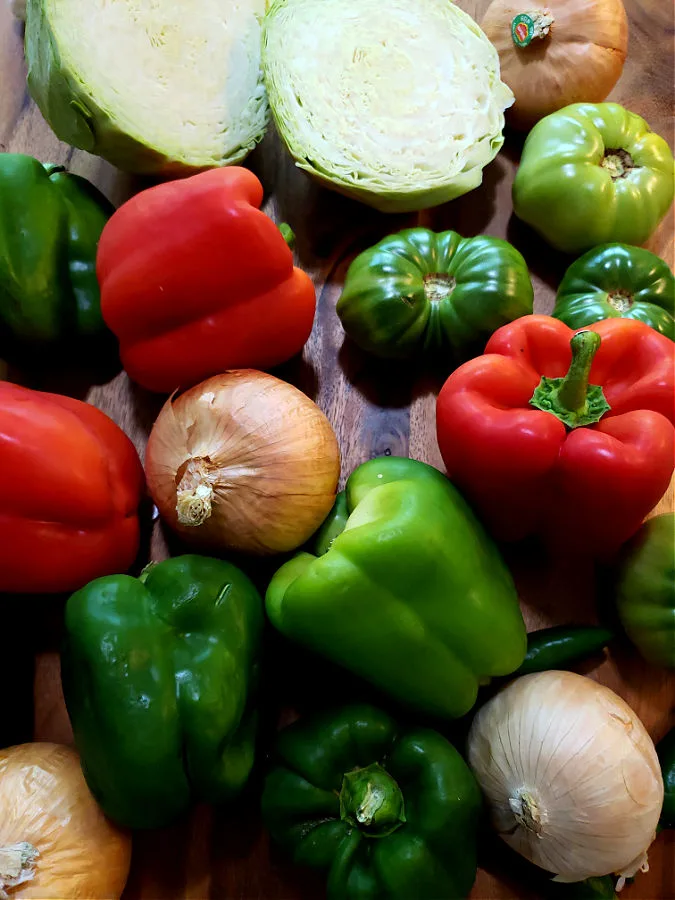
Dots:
(573, 392)
(572, 399)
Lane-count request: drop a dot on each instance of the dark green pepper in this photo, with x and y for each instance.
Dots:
(666, 753)
(422, 291)
(390, 813)
(561, 646)
(157, 675)
(616, 280)
(50, 225)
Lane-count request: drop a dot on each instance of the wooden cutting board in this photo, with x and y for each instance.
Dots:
(375, 410)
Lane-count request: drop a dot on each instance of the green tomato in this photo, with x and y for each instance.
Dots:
(646, 590)
(434, 292)
(618, 281)
(593, 174)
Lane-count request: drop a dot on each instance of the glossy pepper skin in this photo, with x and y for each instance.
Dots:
(411, 595)
(666, 753)
(158, 674)
(645, 590)
(195, 279)
(618, 281)
(561, 646)
(50, 224)
(585, 487)
(71, 483)
(593, 173)
(390, 813)
(419, 291)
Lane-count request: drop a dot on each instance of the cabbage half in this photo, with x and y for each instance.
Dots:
(396, 102)
(168, 86)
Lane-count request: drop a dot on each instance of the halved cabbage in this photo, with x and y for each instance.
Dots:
(168, 86)
(396, 102)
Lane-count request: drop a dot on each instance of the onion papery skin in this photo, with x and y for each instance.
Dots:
(570, 774)
(257, 459)
(45, 803)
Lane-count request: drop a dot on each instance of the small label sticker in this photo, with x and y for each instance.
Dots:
(522, 30)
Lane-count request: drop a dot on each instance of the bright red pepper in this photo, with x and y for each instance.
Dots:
(195, 279)
(70, 486)
(587, 484)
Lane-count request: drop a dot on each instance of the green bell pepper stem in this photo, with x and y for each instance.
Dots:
(287, 234)
(573, 392)
(333, 526)
(572, 399)
(371, 800)
(53, 168)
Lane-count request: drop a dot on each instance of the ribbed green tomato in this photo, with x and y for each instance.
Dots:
(618, 281)
(593, 173)
(419, 290)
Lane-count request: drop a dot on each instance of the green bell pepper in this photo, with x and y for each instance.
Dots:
(158, 674)
(645, 590)
(391, 814)
(422, 291)
(593, 174)
(50, 224)
(412, 595)
(617, 281)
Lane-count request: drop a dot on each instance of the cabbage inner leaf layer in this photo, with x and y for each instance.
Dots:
(399, 103)
(152, 85)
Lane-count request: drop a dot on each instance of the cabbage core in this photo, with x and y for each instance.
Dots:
(150, 84)
(395, 101)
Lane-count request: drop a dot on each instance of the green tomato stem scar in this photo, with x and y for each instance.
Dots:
(438, 286)
(618, 163)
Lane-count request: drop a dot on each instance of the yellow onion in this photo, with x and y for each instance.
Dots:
(243, 461)
(571, 775)
(55, 843)
(573, 52)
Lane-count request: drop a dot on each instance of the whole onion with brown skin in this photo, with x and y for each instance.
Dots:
(555, 53)
(243, 461)
(55, 843)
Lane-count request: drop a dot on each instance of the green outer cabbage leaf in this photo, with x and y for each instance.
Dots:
(396, 103)
(78, 114)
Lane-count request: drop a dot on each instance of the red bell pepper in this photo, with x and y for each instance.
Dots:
(565, 434)
(70, 486)
(195, 279)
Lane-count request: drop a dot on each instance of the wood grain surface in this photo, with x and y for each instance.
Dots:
(375, 409)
